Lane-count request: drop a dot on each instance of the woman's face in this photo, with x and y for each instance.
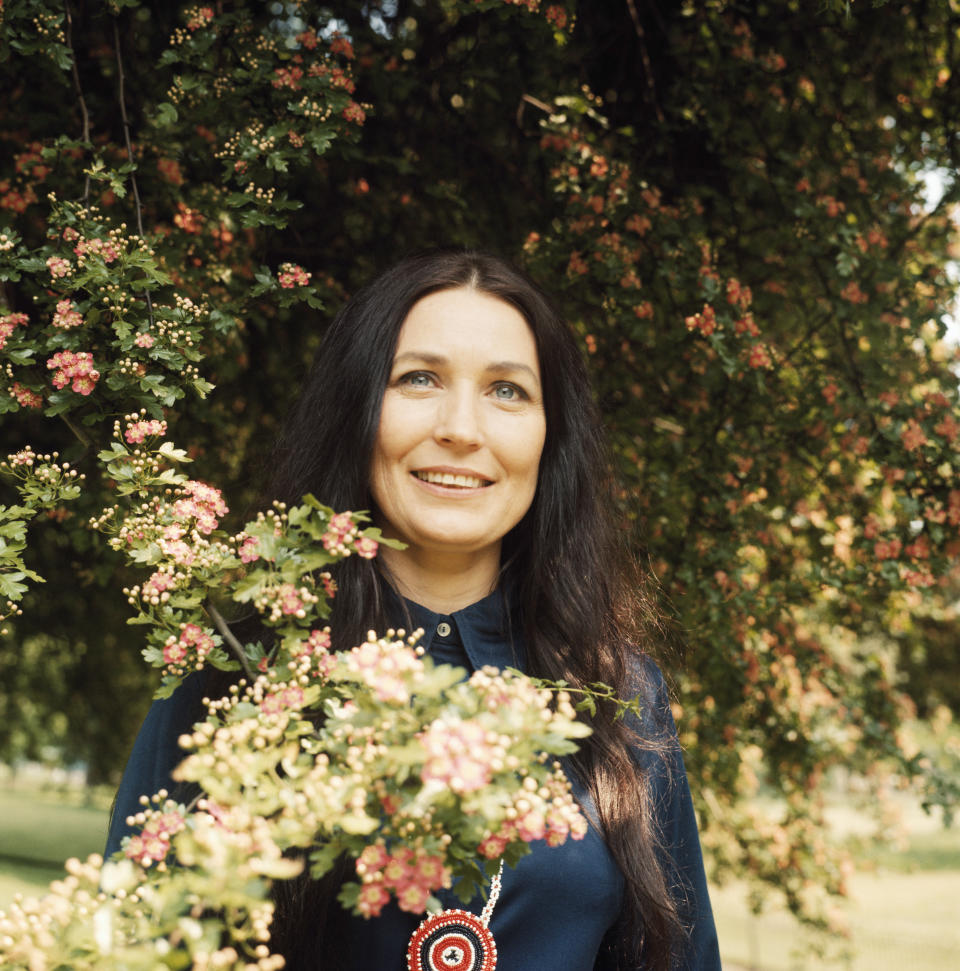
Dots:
(462, 425)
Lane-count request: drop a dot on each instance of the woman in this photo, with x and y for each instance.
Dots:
(451, 400)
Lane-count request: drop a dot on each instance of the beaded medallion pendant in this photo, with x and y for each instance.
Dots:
(456, 940)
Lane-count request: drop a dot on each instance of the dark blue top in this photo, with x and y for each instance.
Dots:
(559, 902)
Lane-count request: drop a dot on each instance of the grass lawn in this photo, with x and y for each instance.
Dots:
(39, 829)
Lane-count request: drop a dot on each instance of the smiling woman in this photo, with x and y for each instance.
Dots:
(461, 432)
(451, 400)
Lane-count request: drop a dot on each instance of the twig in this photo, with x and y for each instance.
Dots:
(235, 645)
(81, 434)
(126, 135)
(85, 134)
(645, 56)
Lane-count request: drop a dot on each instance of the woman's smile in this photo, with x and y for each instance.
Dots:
(457, 479)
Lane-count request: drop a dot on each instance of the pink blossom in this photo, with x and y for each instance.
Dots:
(104, 248)
(913, 436)
(202, 503)
(200, 17)
(174, 651)
(385, 667)
(291, 276)
(365, 547)
(67, 315)
(139, 430)
(373, 898)
(278, 701)
(759, 357)
(58, 266)
(458, 754)
(143, 340)
(158, 584)
(24, 396)
(7, 323)
(248, 550)
(75, 369)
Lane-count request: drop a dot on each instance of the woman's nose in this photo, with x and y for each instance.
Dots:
(458, 420)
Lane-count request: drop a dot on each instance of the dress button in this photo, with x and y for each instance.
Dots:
(444, 629)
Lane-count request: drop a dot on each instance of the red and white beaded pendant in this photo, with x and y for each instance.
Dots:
(456, 940)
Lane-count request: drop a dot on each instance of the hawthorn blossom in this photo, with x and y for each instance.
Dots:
(198, 17)
(279, 701)
(759, 357)
(202, 503)
(75, 369)
(386, 667)
(152, 844)
(139, 430)
(24, 396)
(67, 315)
(156, 588)
(58, 266)
(913, 436)
(106, 249)
(248, 550)
(705, 322)
(192, 639)
(458, 754)
(7, 323)
(291, 276)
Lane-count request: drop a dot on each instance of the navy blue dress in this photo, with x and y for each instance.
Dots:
(559, 902)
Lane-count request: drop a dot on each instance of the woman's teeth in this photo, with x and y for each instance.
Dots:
(448, 479)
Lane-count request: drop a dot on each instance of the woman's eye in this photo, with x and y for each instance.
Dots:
(417, 379)
(508, 392)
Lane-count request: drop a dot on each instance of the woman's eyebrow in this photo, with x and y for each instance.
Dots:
(500, 367)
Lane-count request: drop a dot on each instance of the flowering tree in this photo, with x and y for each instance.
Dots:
(731, 205)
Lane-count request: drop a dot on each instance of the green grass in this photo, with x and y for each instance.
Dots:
(39, 830)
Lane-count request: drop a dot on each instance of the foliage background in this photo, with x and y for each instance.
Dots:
(728, 200)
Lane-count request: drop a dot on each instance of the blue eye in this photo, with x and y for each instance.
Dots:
(508, 392)
(417, 379)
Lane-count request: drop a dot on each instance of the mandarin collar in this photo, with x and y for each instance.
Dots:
(489, 630)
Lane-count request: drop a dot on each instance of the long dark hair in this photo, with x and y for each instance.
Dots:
(581, 609)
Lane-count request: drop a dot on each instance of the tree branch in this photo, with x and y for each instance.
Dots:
(227, 635)
(85, 134)
(126, 135)
(81, 435)
(645, 57)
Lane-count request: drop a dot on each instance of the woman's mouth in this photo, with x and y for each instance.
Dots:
(452, 480)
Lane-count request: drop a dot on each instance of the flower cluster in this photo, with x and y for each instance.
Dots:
(538, 812)
(461, 755)
(59, 267)
(201, 506)
(291, 275)
(67, 315)
(410, 874)
(285, 600)
(75, 369)
(106, 249)
(156, 589)
(343, 536)
(139, 430)
(388, 668)
(189, 651)
(24, 396)
(158, 825)
(7, 323)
